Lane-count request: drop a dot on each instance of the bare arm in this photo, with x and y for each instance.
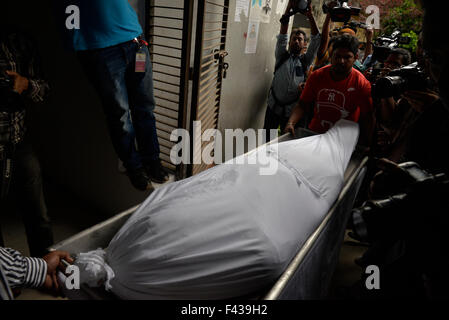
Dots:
(309, 14)
(297, 113)
(324, 37)
(284, 25)
(369, 43)
(325, 32)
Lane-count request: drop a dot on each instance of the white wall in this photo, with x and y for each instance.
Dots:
(245, 90)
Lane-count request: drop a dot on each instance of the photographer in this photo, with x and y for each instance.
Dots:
(325, 51)
(397, 58)
(415, 126)
(323, 56)
(21, 82)
(290, 69)
(408, 227)
(390, 110)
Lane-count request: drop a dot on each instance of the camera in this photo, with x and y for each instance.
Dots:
(411, 77)
(342, 12)
(414, 190)
(300, 6)
(384, 44)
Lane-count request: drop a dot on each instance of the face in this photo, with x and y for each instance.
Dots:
(342, 60)
(296, 43)
(394, 61)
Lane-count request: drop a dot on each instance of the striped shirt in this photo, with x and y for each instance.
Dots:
(22, 271)
(19, 54)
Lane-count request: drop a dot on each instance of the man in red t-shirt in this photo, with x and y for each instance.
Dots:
(337, 91)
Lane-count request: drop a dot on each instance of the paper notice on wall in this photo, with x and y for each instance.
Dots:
(241, 6)
(266, 11)
(252, 36)
(255, 10)
(280, 8)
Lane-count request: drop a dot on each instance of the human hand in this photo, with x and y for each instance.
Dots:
(385, 71)
(309, 13)
(420, 100)
(21, 84)
(368, 73)
(53, 260)
(332, 4)
(290, 128)
(291, 4)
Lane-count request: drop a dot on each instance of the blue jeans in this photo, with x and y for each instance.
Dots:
(128, 101)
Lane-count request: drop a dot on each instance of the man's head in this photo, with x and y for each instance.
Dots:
(397, 58)
(297, 41)
(347, 30)
(344, 53)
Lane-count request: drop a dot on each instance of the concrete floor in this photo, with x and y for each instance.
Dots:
(74, 220)
(78, 218)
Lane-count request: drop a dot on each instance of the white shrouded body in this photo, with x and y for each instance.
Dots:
(229, 231)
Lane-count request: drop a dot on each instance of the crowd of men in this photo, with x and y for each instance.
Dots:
(403, 118)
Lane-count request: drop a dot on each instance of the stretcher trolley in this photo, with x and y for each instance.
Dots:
(309, 274)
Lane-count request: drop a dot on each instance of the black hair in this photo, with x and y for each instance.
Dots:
(296, 31)
(346, 41)
(406, 56)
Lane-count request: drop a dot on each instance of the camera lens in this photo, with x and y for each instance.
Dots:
(389, 86)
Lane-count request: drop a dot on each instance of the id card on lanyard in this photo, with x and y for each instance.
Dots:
(141, 57)
(141, 61)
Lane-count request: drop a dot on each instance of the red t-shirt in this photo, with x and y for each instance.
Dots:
(335, 100)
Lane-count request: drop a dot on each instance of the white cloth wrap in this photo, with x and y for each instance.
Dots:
(229, 231)
(94, 271)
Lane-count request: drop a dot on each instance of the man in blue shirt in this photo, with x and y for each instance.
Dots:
(290, 70)
(115, 58)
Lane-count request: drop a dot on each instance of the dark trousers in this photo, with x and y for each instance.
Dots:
(128, 101)
(26, 191)
(273, 121)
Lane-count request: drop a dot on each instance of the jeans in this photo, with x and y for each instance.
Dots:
(27, 191)
(128, 101)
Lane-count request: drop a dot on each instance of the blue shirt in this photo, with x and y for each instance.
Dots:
(103, 23)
